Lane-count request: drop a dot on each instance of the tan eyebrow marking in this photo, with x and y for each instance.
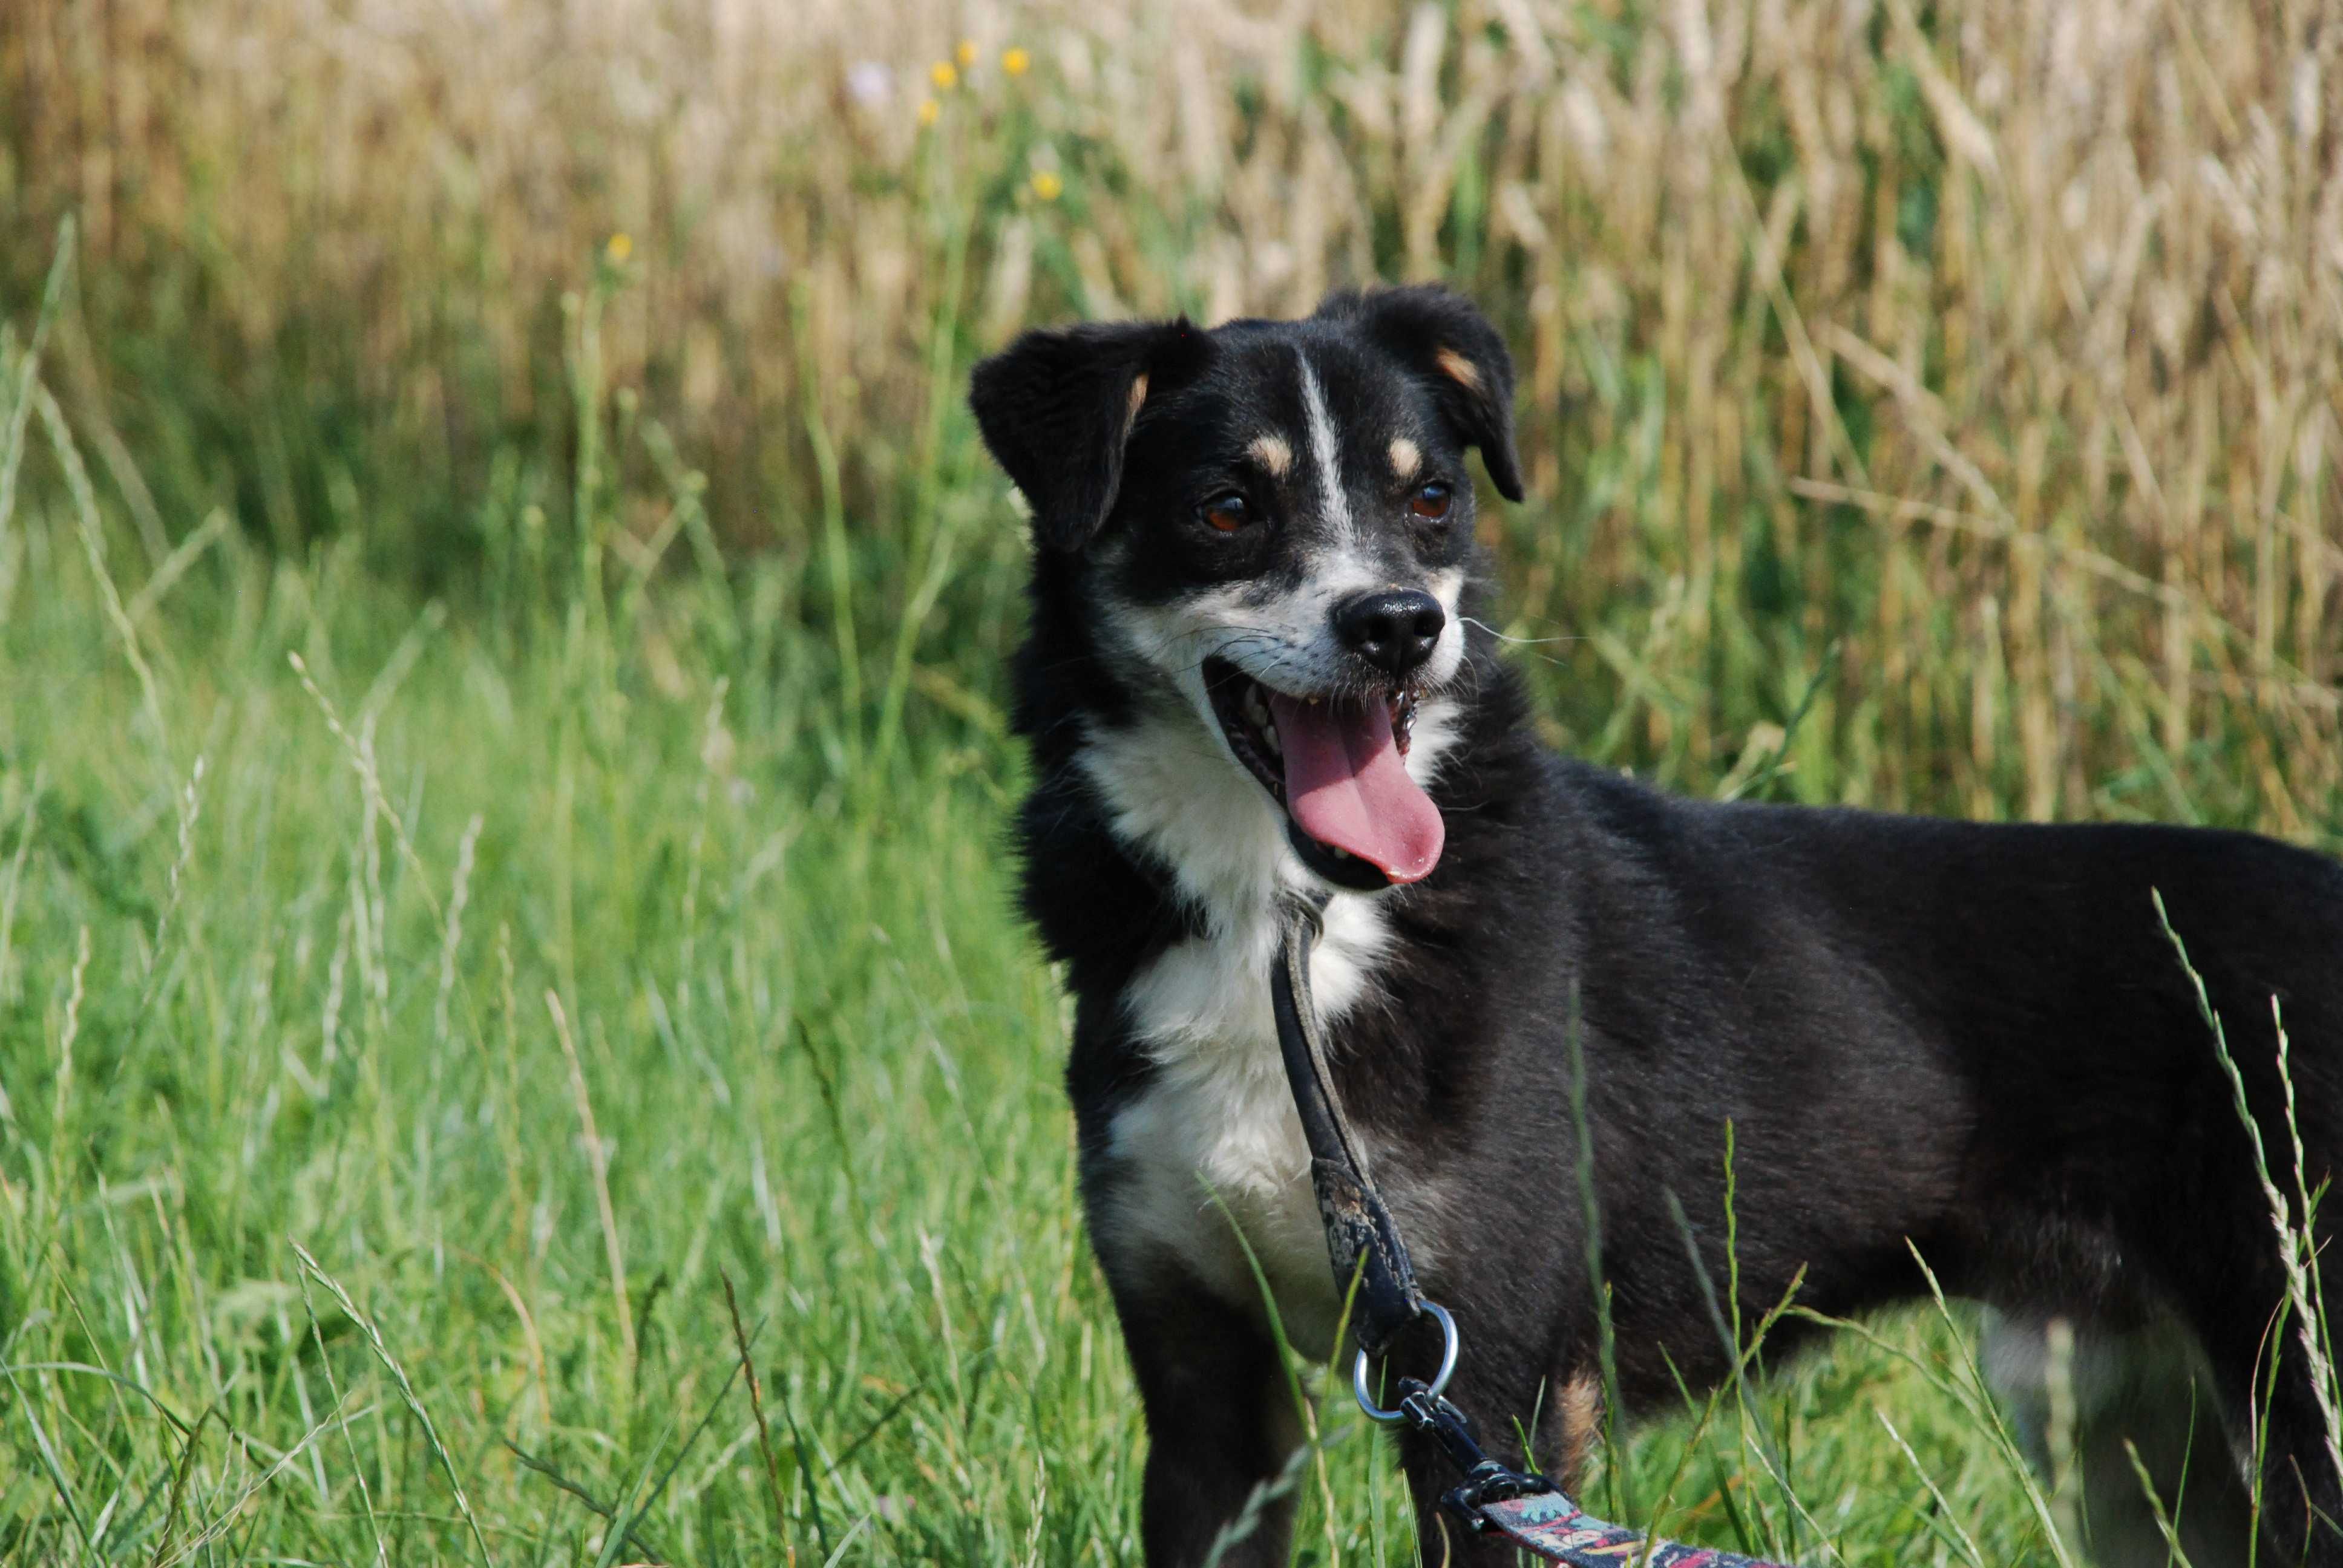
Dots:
(1138, 394)
(1458, 368)
(1405, 457)
(1271, 453)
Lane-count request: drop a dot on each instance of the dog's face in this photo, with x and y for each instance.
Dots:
(1270, 526)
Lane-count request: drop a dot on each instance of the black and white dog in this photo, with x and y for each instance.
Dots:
(1253, 666)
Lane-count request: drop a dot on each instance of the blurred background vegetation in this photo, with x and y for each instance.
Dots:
(1971, 371)
(502, 626)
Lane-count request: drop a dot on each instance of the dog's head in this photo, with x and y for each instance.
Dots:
(1269, 525)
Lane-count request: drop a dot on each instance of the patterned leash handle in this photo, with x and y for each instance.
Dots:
(1551, 1525)
(1527, 1509)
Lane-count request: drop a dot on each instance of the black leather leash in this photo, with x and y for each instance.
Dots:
(1362, 1244)
(1361, 1239)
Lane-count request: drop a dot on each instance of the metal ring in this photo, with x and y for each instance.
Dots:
(1447, 1368)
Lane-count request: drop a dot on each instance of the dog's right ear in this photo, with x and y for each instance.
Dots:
(1445, 339)
(1057, 406)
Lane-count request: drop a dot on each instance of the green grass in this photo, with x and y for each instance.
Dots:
(417, 1025)
(316, 997)
(337, 960)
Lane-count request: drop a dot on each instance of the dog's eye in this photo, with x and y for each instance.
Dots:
(1430, 500)
(1225, 514)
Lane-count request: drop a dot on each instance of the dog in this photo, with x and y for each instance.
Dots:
(1256, 668)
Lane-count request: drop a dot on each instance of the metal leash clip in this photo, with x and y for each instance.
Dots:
(1422, 1407)
(1448, 1344)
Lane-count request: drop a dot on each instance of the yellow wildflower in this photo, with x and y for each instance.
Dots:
(966, 53)
(621, 245)
(1047, 185)
(1015, 61)
(945, 74)
(928, 110)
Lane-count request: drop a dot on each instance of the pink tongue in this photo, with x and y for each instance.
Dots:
(1346, 785)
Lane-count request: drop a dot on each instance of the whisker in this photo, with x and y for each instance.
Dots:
(1518, 642)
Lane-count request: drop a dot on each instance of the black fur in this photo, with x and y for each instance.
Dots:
(1415, 325)
(1970, 1041)
(1056, 410)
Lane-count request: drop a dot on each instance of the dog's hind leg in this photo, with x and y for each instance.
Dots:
(2301, 1502)
(2143, 1391)
(2264, 1378)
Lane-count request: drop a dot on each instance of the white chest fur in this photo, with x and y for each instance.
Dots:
(1213, 1147)
(1214, 1138)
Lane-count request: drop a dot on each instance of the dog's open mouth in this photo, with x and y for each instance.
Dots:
(1338, 765)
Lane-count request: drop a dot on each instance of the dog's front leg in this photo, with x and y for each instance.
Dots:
(1502, 1388)
(1218, 1427)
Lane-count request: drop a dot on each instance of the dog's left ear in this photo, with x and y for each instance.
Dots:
(1443, 337)
(1057, 406)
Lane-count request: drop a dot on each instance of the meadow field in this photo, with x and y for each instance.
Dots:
(514, 1043)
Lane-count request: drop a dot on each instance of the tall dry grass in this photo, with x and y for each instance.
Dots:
(1978, 367)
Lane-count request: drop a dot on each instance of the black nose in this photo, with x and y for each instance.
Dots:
(1392, 628)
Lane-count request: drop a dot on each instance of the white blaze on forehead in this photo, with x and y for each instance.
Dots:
(1325, 449)
(1405, 457)
(1271, 453)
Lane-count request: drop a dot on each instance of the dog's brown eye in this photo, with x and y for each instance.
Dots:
(1226, 514)
(1430, 500)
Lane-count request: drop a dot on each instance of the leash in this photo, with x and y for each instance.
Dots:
(1362, 1244)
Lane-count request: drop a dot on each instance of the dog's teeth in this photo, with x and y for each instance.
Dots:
(1269, 736)
(1340, 853)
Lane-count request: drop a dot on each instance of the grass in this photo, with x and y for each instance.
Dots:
(435, 1045)
(502, 764)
